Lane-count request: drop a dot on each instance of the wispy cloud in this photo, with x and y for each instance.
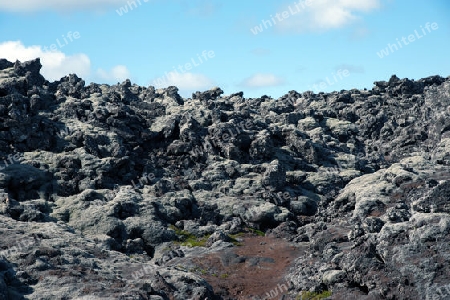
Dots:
(200, 8)
(55, 64)
(301, 69)
(118, 73)
(58, 5)
(185, 81)
(260, 80)
(323, 15)
(261, 51)
(360, 33)
(350, 68)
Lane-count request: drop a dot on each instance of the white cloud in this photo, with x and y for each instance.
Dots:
(262, 80)
(323, 15)
(59, 5)
(55, 64)
(118, 73)
(184, 81)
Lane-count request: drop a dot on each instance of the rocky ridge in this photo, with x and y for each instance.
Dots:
(116, 192)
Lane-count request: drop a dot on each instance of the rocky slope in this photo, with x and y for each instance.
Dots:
(127, 192)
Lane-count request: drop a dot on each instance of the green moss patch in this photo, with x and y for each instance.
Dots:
(256, 231)
(188, 239)
(306, 295)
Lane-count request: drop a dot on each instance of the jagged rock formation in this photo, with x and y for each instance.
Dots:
(101, 186)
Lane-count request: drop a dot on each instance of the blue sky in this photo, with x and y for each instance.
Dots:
(259, 47)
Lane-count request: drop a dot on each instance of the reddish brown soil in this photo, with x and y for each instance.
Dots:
(252, 269)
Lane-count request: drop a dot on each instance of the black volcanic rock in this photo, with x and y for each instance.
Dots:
(103, 188)
(5, 64)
